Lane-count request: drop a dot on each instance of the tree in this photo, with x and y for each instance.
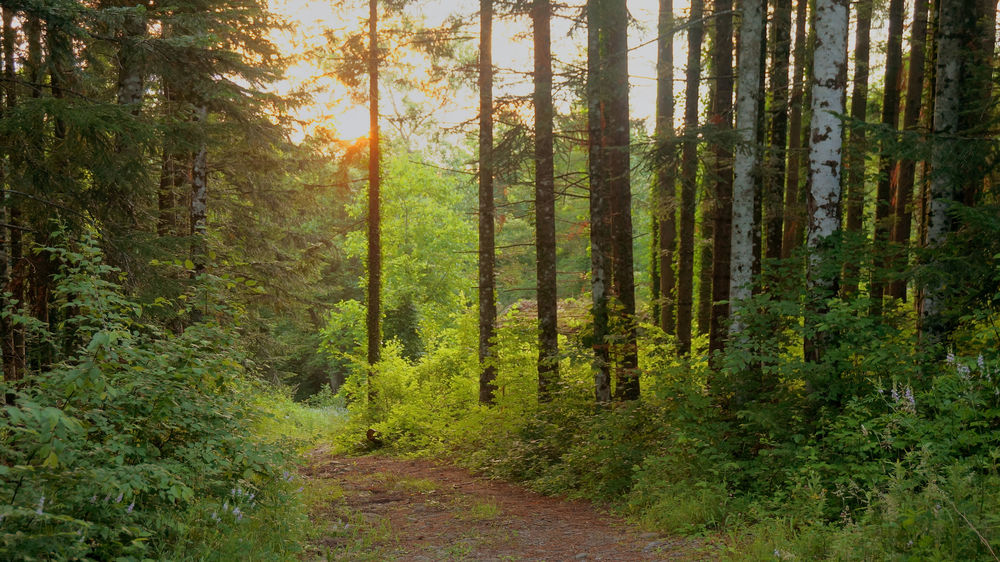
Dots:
(616, 120)
(856, 154)
(774, 173)
(487, 277)
(887, 163)
(721, 117)
(746, 163)
(665, 190)
(793, 217)
(373, 320)
(545, 213)
(825, 153)
(689, 173)
(911, 119)
(952, 35)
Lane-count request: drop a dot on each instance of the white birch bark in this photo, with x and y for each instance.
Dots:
(825, 150)
(746, 163)
(947, 107)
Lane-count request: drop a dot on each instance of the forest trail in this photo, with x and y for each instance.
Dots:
(383, 508)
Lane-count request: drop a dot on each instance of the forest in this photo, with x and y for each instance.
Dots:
(728, 271)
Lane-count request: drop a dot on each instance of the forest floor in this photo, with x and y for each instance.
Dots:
(382, 508)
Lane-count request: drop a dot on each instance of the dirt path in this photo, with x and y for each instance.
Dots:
(381, 508)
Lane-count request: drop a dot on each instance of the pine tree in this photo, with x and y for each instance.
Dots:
(545, 214)
(487, 278)
(689, 173)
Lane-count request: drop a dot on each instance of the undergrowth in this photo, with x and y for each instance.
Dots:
(883, 450)
(131, 441)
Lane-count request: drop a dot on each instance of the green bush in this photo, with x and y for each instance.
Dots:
(134, 441)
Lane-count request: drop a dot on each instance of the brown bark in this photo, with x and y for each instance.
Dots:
(616, 123)
(721, 116)
(774, 174)
(689, 173)
(666, 173)
(600, 213)
(911, 121)
(858, 147)
(545, 213)
(890, 118)
(794, 210)
(373, 320)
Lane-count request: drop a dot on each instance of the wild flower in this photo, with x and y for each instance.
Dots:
(215, 517)
(120, 497)
(41, 504)
(130, 507)
(895, 395)
(225, 506)
(93, 499)
(909, 397)
(951, 357)
(981, 362)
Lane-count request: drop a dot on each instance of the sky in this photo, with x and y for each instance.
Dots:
(348, 120)
(333, 109)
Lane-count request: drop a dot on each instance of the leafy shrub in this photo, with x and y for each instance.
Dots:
(133, 437)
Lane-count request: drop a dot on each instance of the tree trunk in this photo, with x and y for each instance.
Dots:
(857, 150)
(545, 211)
(130, 59)
(828, 87)
(665, 216)
(946, 172)
(722, 118)
(373, 321)
(199, 198)
(689, 178)
(614, 75)
(487, 210)
(780, 45)
(793, 223)
(890, 118)
(600, 212)
(11, 335)
(911, 122)
(746, 164)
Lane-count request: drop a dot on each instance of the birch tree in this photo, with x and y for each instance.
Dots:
(825, 151)
(746, 161)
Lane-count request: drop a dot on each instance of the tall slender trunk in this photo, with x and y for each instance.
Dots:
(545, 211)
(11, 335)
(946, 175)
(373, 321)
(887, 164)
(666, 172)
(616, 121)
(600, 212)
(198, 210)
(794, 220)
(746, 164)
(129, 58)
(911, 121)
(774, 175)
(857, 149)
(825, 155)
(689, 178)
(721, 116)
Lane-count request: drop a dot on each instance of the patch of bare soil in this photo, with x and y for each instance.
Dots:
(396, 509)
